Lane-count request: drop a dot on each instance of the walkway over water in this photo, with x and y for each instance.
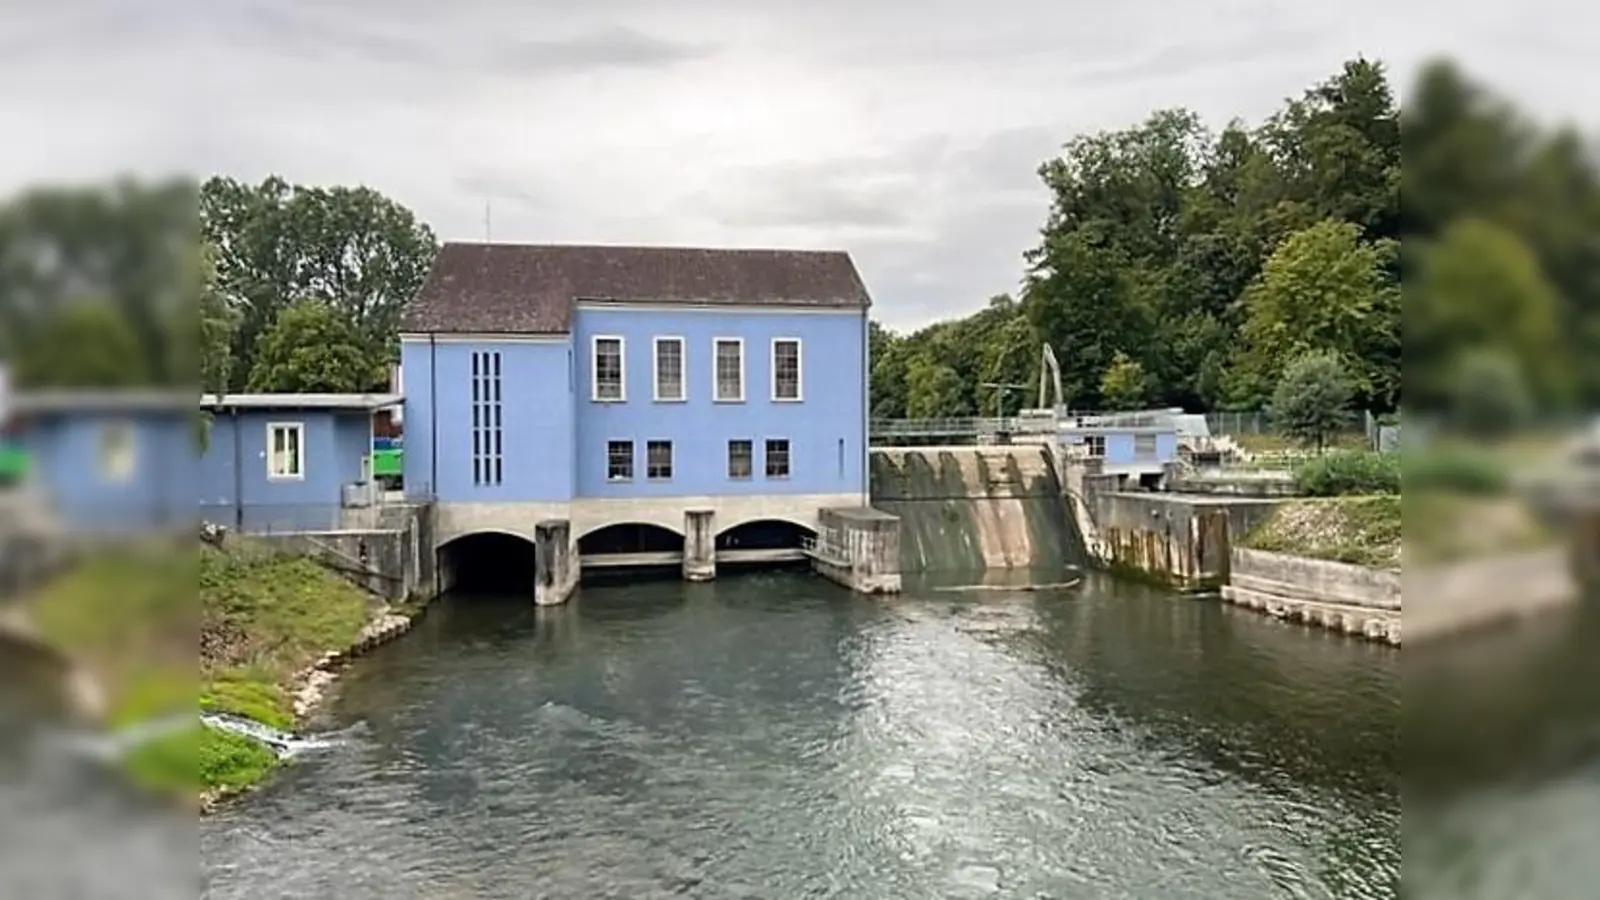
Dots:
(1045, 422)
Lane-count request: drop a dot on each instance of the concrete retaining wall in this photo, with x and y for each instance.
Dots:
(1178, 540)
(395, 561)
(970, 508)
(1339, 596)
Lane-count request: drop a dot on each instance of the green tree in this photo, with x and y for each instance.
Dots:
(933, 390)
(106, 262)
(1322, 289)
(1312, 401)
(362, 253)
(1479, 287)
(1124, 386)
(1490, 397)
(89, 343)
(312, 348)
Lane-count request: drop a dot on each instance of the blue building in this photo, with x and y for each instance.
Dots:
(108, 463)
(288, 462)
(642, 402)
(1136, 445)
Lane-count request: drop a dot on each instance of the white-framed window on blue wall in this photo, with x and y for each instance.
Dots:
(728, 369)
(608, 369)
(658, 460)
(741, 459)
(777, 457)
(487, 450)
(786, 371)
(1144, 446)
(619, 460)
(115, 458)
(667, 379)
(286, 451)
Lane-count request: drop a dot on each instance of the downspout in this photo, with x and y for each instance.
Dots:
(433, 415)
(866, 405)
(433, 453)
(238, 472)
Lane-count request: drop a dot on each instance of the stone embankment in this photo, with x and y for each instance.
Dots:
(318, 677)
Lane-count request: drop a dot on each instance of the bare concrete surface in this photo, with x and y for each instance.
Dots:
(1477, 593)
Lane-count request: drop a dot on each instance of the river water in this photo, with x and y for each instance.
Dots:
(770, 735)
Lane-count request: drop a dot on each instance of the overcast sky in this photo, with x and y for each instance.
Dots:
(905, 131)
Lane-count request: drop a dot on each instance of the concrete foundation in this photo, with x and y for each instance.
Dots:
(699, 544)
(858, 547)
(556, 562)
(1355, 600)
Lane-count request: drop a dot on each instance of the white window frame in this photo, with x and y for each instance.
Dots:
(299, 428)
(799, 369)
(788, 457)
(716, 383)
(671, 460)
(633, 461)
(123, 469)
(622, 368)
(683, 368)
(750, 459)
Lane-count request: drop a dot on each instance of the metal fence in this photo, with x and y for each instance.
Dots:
(274, 518)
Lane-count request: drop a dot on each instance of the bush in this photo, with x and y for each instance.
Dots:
(1456, 472)
(1348, 472)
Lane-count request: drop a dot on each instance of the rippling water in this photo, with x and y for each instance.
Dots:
(772, 736)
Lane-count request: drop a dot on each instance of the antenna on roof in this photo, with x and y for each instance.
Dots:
(486, 230)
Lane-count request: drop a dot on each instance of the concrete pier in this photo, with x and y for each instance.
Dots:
(699, 545)
(859, 547)
(555, 562)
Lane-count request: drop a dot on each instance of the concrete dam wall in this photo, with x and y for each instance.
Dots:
(967, 508)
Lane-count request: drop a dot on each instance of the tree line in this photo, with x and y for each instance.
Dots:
(1179, 265)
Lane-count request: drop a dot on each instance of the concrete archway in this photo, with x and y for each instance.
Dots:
(488, 563)
(764, 534)
(629, 537)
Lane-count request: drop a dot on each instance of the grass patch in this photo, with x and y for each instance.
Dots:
(227, 761)
(129, 616)
(1365, 531)
(250, 694)
(1445, 526)
(1281, 443)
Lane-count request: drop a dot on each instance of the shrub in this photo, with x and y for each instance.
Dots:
(1348, 472)
(1455, 471)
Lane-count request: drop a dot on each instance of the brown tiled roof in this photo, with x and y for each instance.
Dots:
(531, 288)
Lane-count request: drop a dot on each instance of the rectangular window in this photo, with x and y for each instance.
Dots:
(730, 369)
(786, 368)
(669, 369)
(619, 460)
(116, 462)
(487, 447)
(658, 460)
(1144, 446)
(741, 459)
(286, 450)
(1095, 444)
(610, 371)
(777, 458)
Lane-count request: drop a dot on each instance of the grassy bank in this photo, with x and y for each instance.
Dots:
(1361, 530)
(264, 618)
(128, 617)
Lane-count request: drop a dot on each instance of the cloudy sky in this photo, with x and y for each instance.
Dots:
(905, 131)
